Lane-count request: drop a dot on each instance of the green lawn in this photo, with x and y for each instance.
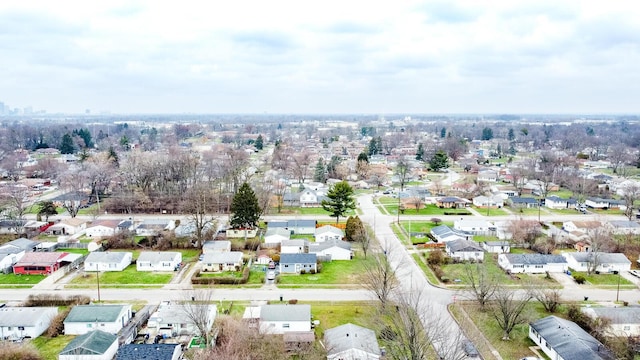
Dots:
(562, 193)
(129, 276)
(14, 279)
(332, 314)
(564, 211)
(400, 234)
(333, 273)
(309, 211)
(73, 251)
(419, 258)
(607, 280)
(421, 227)
(607, 212)
(491, 212)
(50, 347)
(458, 271)
(526, 211)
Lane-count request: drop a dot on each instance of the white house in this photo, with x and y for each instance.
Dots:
(623, 227)
(328, 232)
(20, 322)
(212, 246)
(103, 228)
(497, 247)
(85, 318)
(487, 175)
(475, 227)
(159, 261)
(284, 318)
(556, 202)
(222, 261)
(107, 260)
(332, 250)
(310, 198)
(153, 227)
(302, 226)
(582, 227)
(562, 339)
(276, 235)
(69, 226)
(443, 233)
(94, 345)
(464, 250)
(172, 319)
(241, 233)
(295, 246)
(606, 262)
(532, 263)
(13, 251)
(493, 201)
(597, 203)
(351, 342)
(623, 321)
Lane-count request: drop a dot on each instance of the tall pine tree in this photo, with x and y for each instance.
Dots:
(340, 200)
(245, 208)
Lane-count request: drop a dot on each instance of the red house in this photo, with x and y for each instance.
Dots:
(39, 263)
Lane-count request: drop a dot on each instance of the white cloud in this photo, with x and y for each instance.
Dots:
(330, 56)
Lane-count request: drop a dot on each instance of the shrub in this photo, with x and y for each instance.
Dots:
(10, 351)
(579, 278)
(303, 271)
(312, 271)
(55, 300)
(57, 324)
(436, 258)
(293, 301)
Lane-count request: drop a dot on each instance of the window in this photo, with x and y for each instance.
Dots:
(89, 325)
(627, 327)
(21, 328)
(285, 326)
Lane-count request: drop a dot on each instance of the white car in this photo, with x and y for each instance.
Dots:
(271, 275)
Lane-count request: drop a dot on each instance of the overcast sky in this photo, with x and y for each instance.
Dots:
(321, 56)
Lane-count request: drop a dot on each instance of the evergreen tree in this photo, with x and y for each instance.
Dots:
(443, 133)
(363, 157)
(259, 144)
(113, 156)
(487, 133)
(320, 173)
(512, 149)
(46, 208)
(66, 146)
(420, 152)
(340, 200)
(375, 146)
(245, 208)
(439, 161)
(354, 228)
(511, 135)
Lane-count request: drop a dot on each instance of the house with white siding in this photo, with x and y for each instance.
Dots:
(94, 345)
(19, 322)
(464, 250)
(295, 246)
(103, 228)
(605, 262)
(275, 236)
(351, 342)
(562, 339)
(532, 263)
(623, 321)
(107, 260)
(159, 261)
(328, 232)
(171, 318)
(284, 318)
(222, 261)
(85, 318)
(332, 250)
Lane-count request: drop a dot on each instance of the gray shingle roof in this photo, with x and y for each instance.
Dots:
(158, 256)
(285, 312)
(618, 315)
(298, 258)
(106, 257)
(569, 340)
(464, 245)
(95, 313)
(301, 223)
(146, 351)
(350, 336)
(317, 247)
(95, 342)
(535, 259)
(22, 244)
(228, 257)
(22, 316)
(603, 258)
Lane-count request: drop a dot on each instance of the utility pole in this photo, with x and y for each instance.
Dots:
(98, 280)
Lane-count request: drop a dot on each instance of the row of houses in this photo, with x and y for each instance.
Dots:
(578, 261)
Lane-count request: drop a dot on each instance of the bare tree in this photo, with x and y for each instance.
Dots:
(508, 308)
(379, 276)
(482, 285)
(198, 309)
(402, 172)
(549, 297)
(362, 169)
(198, 204)
(300, 165)
(524, 231)
(417, 202)
(600, 241)
(630, 193)
(364, 235)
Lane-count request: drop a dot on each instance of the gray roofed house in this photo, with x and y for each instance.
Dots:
(564, 340)
(295, 246)
(159, 261)
(173, 317)
(149, 352)
(443, 233)
(216, 246)
(12, 252)
(526, 202)
(97, 344)
(463, 250)
(283, 318)
(328, 232)
(276, 235)
(623, 226)
(623, 321)
(497, 247)
(276, 224)
(222, 261)
(21, 244)
(296, 263)
(532, 263)
(606, 262)
(109, 318)
(302, 226)
(332, 249)
(108, 260)
(351, 341)
(18, 322)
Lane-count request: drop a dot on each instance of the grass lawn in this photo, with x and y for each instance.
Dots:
(458, 271)
(564, 211)
(332, 314)
(333, 273)
(492, 211)
(73, 251)
(518, 346)
(525, 211)
(481, 238)
(420, 260)
(400, 234)
(607, 280)
(129, 276)
(421, 227)
(607, 212)
(50, 347)
(309, 211)
(14, 279)
(562, 193)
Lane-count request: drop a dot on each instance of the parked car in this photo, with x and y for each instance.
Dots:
(271, 275)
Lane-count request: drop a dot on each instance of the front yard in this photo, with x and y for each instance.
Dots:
(490, 211)
(334, 274)
(129, 277)
(15, 280)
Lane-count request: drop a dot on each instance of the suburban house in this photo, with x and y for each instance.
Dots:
(296, 263)
(94, 345)
(331, 250)
(581, 228)
(487, 175)
(524, 202)
(13, 251)
(212, 246)
(452, 202)
(276, 236)
(40, 263)
(103, 228)
(556, 202)
(263, 257)
(302, 226)
(597, 203)
(310, 198)
(222, 261)
(623, 227)
(496, 247)
(562, 339)
(149, 351)
(73, 199)
(12, 226)
(295, 246)
(107, 260)
(85, 318)
(19, 322)
(443, 233)
(493, 201)
(284, 318)
(623, 321)
(70, 226)
(464, 250)
(159, 261)
(241, 233)
(351, 342)
(328, 232)
(475, 227)
(172, 320)
(188, 228)
(606, 262)
(532, 263)
(153, 227)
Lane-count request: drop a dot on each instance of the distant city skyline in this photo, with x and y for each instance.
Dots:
(330, 57)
